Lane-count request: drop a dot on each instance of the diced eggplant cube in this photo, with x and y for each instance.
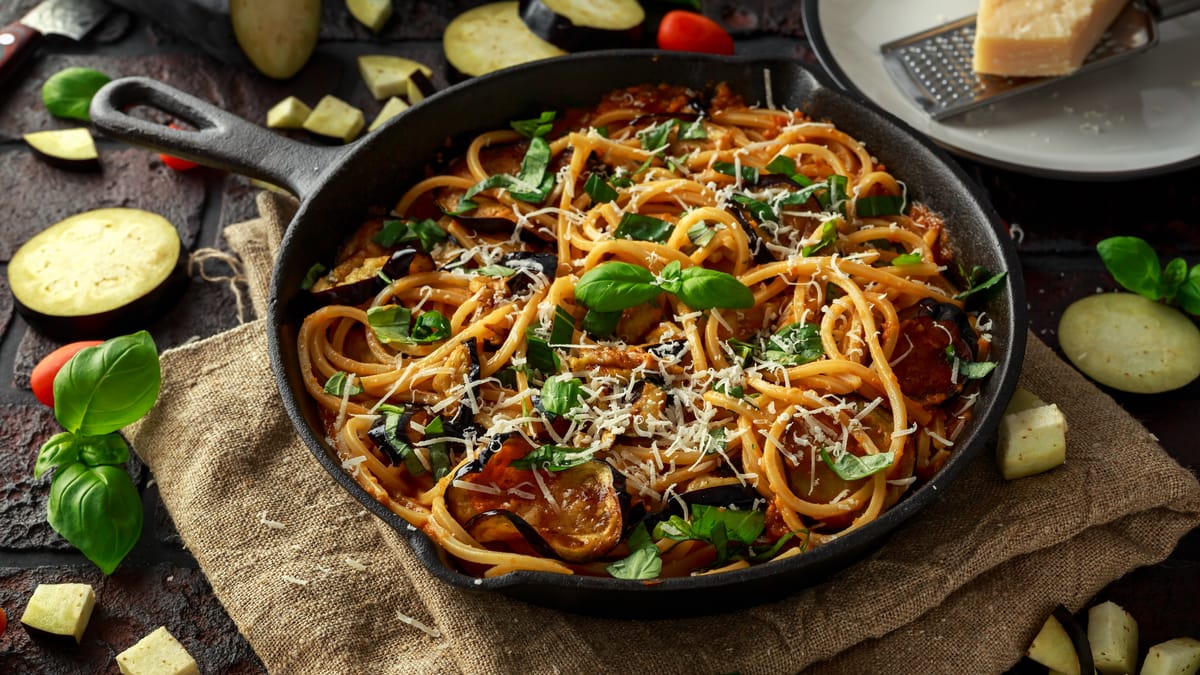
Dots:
(60, 609)
(387, 76)
(159, 653)
(290, 113)
(371, 13)
(335, 119)
(1031, 441)
(393, 107)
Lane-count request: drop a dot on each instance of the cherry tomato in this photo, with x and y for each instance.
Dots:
(42, 378)
(684, 31)
(3, 620)
(178, 163)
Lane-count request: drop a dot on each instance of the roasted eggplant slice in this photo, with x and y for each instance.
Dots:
(576, 514)
(754, 241)
(463, 419)
(545, 264)
(407, 261)
(922, 366)
(65, 148)
(351, 283)
(579, 25)
(491, 37)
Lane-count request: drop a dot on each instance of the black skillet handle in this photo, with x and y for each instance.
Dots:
(221, 139)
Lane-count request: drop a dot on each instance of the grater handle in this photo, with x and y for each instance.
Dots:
(1169, 9)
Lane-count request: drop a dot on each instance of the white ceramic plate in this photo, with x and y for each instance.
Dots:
(1137, 117)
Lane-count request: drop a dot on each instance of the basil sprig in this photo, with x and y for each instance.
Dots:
(425, 232)
(853, 467)
(615, 286)
(1135, 266)
(643, 561)
(533, 182)
(728, 530)
(93, 501)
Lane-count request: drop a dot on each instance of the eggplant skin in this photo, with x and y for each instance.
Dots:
(138, 314)
(560, 31)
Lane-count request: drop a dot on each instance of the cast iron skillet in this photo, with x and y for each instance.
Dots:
(337, 185)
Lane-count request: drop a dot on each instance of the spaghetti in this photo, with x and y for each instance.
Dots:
(660, 337)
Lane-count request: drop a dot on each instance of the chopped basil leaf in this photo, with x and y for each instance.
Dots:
(643, 561)
(879, 205)
(913, 258)
(834, 198)
(744, 351)
(539, 355)
(389, 408)
(599, 190)
(430, 327)
(656, 137)
(643, 228)
(794, 345)
(508, 377)
(828, 236)
(397, 446)
(701, 234)
(974, 287)
(554, 458)
(760, 210)
(638, 171)
(775, 548)
(601, 324)
(531, 184)
(714, 443)
(496, 271)
(538, 126)
(786, 166)
(852, 467)
(693, 131)
(439, 457)
(340, 383)
(311, 276)
(602, 132)
(561, 394)
(749, 174)
(735, 392)
(427, 232)
(562, 330)
(972, 370)
(675, 166)
(435, 427)
(390, 323)
(716, 525)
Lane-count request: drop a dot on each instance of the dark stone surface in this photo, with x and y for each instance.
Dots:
(6, 305)
(32, 348)
(130, 604)
(37, 195)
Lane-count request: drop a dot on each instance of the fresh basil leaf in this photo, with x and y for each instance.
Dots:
(554, 458)
(539, 355)
(879, 205)
(829, 235)
(435, 427)
(913, 258)
(702, 288)
(431, 326)
(599, 189)
(852, 467)
(69, 92)
(390, 323)
(643, 561)
(614, 286)
(59, 451)
(495, 271)
(1174, 274)
(601, 324)
(105, 387)
(531, 184)
(1134, 264)
(562, 329)
(340, 382)
(744, 351)
(643, 228)
(425, 232)
(748, 174)
(978, 272)
(716, 525)
(795, 344)
(538, 126)
(602, 131)
(701, 234)
(561, 394)
(693, 131)
(656, 137)
(311, 276)
(109, 449)
(761, 211)
(1188, 295)
(784, 165)
(98, 510)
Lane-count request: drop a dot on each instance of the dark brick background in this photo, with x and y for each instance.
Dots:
(159, 584)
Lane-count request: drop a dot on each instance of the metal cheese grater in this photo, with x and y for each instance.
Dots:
(934, 68)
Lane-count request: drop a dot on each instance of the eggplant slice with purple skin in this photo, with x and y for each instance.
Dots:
(581, 25)
(584, 522)
(545, 264)
(927, 329)
(360, 283)
(754, 241)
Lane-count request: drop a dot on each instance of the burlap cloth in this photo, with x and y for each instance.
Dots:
(962, 587)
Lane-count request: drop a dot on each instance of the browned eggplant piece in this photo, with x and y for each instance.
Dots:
(583, 522)
(670, 348)
(463, 419)
(407, 261)
(923, 370)
(545, 264)
(754, 241)
(350, 284)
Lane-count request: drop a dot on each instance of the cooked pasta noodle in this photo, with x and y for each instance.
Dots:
(664, 336)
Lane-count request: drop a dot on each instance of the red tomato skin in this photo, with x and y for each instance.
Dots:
(42, 378)
(3, 620)
(178, 163)
(684, 31)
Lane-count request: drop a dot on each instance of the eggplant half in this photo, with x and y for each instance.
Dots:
(358, 280)
(580, 25)
(925, 372)
(491, 37)
(576, 515)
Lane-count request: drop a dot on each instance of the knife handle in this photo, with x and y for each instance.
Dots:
(17, 41)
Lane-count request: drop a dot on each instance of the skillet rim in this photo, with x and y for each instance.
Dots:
(533, 585)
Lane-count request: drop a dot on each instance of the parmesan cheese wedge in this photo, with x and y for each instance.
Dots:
(1034, 38)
